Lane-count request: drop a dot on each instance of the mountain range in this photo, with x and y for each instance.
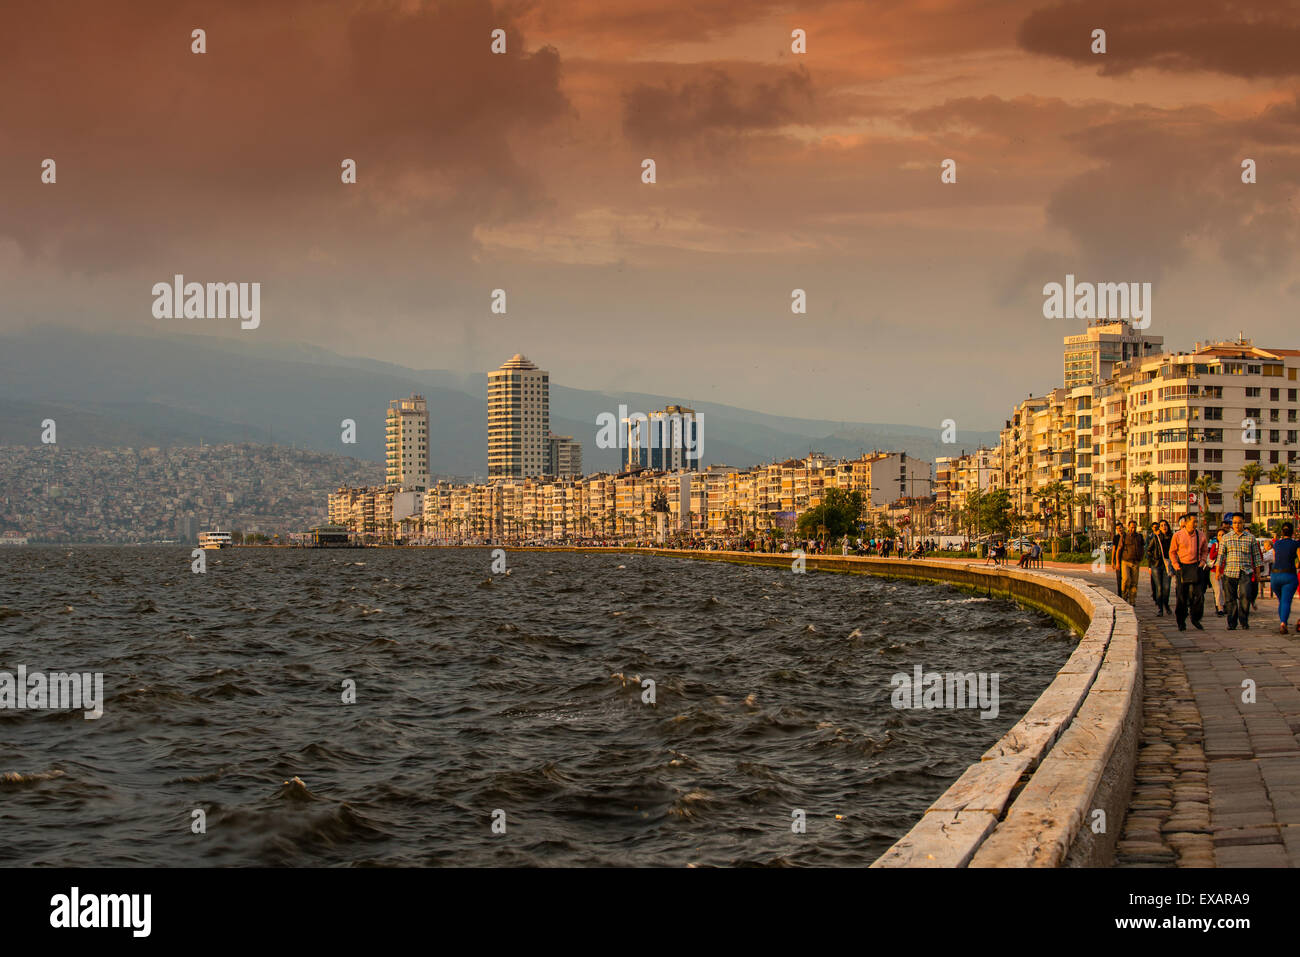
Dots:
(106, 390)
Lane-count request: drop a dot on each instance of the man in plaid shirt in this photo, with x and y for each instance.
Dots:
(1239, 558)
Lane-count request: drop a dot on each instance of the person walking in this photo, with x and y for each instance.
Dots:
(1158, 560)
(1238, 561)
(1152, 532)
(1130, 557)
(1283, 580)
(1215, 578)
(1116, 543)
(1188, 552)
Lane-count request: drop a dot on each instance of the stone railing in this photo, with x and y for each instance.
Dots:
(1053, 791)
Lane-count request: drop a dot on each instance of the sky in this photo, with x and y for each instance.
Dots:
(775, 171)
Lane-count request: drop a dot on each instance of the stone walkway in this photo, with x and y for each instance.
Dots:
(1218, 770)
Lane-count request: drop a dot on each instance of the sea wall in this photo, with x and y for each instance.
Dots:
(1053, 790)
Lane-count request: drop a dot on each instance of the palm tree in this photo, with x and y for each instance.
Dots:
(1146, 478)
(1205, 487)
(974, 499)
(1083, 500)
(1111, 493)
(1250, 473)
(1054, 491)
(1279, 474)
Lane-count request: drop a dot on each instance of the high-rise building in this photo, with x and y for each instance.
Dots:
(519, 420)
(407, 443)
(563, 456)
(665, 441)
(1091, 356)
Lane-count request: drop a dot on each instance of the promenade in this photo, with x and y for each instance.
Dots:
(1218, 769)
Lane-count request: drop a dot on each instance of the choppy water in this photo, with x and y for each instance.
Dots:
(773, 694)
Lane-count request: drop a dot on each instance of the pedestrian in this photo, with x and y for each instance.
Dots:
(1158, 561)
(1188, 552)
(1116, 543)
(1283, 580)
(1132, 548)
(1215, 578)
(1238, 561)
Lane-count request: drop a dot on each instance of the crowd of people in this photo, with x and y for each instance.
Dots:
(1230, 562)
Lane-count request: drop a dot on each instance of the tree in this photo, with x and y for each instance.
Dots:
(837, 513)
(1205, 487)
(1279, 474)
(1082, 501)
(1146, 479)
(1250, 473)
(996, 509)
(974, 505)
(1111, 493)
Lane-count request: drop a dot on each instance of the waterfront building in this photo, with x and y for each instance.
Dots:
(563, 456)
(1162, 434)
(667, 440)
(720, 502)
(406, 435)
(1091, 356)
(519, 420)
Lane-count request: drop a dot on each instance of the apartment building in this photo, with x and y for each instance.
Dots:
(722, 501)
(1165, 432)
(406, 440)
(519, 420)
(1091, 356)
(563, 456)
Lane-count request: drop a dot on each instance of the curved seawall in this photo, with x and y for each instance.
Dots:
(1053, 790)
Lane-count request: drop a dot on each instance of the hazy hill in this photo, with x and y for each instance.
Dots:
(111, 390)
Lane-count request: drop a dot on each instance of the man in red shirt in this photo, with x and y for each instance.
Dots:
(1188, 553)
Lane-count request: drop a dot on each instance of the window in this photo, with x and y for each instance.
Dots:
(1252, 392)
(1252, 455)
(1274, 394)
(1253, 414)
(1214, 412)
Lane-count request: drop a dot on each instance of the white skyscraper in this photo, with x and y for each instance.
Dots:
(407, 443)
(519, 420)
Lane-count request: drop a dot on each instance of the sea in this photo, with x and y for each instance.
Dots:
(417, 707)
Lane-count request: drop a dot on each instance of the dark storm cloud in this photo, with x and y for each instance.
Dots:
(1246, 38)
(242, 146)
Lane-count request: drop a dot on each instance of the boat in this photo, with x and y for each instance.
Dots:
(214, 540)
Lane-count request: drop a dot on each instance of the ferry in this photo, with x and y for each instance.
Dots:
(214, 540)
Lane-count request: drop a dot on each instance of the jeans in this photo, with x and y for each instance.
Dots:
(1217, 581)
(1130, 577)
(1160, 585)
(1283, 585)
(1236, 593)
(1191, 600)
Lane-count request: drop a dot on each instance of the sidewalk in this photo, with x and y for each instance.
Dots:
(1218, 777)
